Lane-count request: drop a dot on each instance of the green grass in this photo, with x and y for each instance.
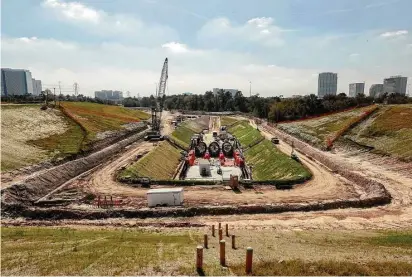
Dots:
(271, 164)
(327, 267)
(389, 131)
(399, 239)
(97, 118)
(226, 120)
(64, 251)
(155, 164)
(68, 143)
(132, 251)
(245, 133)
(182, 135)
(185, 131)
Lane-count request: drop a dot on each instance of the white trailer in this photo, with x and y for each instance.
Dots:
(165, 197)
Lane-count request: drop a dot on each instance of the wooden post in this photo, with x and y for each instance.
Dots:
(227, 230)
(233, 242)
(213, 230)
(111, 200)
(105, 201)
(222, 253)
(205, 241)
(249, 258)
(220, 225)
(220, 234)
(98, 201)
(199, 257)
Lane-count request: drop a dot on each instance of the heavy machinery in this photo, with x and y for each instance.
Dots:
(154, 134)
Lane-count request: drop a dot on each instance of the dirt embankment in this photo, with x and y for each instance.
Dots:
(372, 190)
(38, 185)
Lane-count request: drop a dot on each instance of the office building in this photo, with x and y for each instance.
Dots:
(395, 84)
(232, 91)
(112, 95)
(327, 84)
(376, 90)
(16, 82)
(356, 88)
(37, 88)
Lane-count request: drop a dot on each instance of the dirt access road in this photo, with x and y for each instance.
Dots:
(102, 180)
(396, 215)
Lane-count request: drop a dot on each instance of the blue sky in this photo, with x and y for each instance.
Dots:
(279, 46)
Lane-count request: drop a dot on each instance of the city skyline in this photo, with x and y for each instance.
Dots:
(280, 46)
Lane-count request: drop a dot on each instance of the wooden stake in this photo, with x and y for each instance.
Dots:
(213, 230)
(249, 258)
(205, 241)
(220, 234)
(233, 242)
(222, 253)
(199, 257)
(227, 230)
(220, 225)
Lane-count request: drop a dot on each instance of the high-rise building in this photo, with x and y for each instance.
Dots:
(395, 84)
(356, 88)
(327, 84)
(37, 88)
(16, 82)
(376, 90)
(112, 95)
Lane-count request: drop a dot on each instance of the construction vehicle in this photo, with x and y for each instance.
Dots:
(154, 134)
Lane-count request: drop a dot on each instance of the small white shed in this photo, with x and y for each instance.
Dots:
(165, 197)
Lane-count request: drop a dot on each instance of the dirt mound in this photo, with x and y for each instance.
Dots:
(36, 186)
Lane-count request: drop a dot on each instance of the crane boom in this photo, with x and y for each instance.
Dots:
(161, 91)
(157, 108)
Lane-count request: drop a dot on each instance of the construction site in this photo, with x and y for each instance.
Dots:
(182, 170)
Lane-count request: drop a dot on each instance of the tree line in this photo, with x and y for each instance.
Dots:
(272, 108)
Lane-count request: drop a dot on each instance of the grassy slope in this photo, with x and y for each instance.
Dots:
(154, 164)
(389, 132)
(129, 251)
(319, 129)
(271, 164)
(185, 131)
(226, 120)
(96, 118)
(56, 146)
(267, 161)
(245, 133)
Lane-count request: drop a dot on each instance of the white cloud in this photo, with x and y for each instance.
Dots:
(394, 34)
(109, 25)
(176, 47)
(75, 11)
(259, 30)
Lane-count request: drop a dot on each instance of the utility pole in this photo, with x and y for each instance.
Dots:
(54, 93)
(76, 89)
(250, 88)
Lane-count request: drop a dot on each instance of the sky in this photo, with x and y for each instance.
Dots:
(276, 47)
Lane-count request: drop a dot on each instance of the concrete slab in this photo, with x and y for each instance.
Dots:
(193, 172)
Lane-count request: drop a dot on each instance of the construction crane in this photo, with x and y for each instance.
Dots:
(157, 108)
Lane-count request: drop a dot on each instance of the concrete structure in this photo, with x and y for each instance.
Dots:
(37, 88)
(327, 84)
(165, 197)
(376, 90)
(112, 95)
(16, 82)
(356, 88)
(232, 91)
(395, 84)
